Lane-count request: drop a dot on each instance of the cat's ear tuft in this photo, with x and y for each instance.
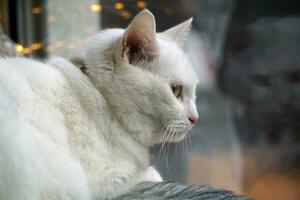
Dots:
(79, 62)
(139, 40)
(180, 32)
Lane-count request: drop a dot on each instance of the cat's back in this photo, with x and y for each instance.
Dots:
(26, 76)
(33, 134)
(37, 89)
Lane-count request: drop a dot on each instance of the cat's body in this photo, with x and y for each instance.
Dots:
(67, 133)
(67, 114)
(34, 146)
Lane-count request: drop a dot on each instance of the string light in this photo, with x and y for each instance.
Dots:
(141, 4)
(36, 46)
(26, 50)
(119, 6)
(125, 14)
(19, 48)
(96, 7)
(36, 10)
(61, 45)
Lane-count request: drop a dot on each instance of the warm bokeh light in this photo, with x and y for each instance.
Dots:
(19, 48)
(119, 6)
(26, 50)
(36, 10)
(125, 14)
(36, 46)
(96, 7)
(141, 4)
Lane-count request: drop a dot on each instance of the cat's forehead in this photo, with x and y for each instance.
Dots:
(174, 64)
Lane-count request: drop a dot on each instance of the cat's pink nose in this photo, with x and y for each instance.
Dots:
(193, 120)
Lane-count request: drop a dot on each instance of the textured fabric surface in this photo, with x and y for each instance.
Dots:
(176, 191)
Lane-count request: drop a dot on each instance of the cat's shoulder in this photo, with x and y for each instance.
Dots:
(25, 66)
(20, 74)
(17, 63)
(32, 68)
(20, 69)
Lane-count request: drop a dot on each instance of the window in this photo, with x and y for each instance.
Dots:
(245, 54)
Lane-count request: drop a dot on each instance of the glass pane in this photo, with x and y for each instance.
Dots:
(246, 56)
(70, 22)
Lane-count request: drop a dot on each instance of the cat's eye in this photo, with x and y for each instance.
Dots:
(177, 90)
(261, 80)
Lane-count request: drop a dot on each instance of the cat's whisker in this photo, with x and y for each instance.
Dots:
(168, 149)
(176, 149)
(164, 153)
(179, 126)
(167, 158)
(187, 145)
(164, 138)
(176, 144)
(165, 133)
(189, 139)
(184, 145)
(160, 151)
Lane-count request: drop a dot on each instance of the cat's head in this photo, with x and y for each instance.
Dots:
(146, 78)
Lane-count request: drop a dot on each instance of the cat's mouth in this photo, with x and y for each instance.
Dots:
(176, 131)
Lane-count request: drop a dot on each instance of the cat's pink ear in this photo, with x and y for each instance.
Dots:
(180, 32)
(139, 40)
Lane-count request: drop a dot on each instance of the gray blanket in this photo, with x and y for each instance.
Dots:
(177, 191)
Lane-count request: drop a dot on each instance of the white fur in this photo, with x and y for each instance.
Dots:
(69, 135)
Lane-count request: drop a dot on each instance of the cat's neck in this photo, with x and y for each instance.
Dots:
(119, 136)
(101, 129)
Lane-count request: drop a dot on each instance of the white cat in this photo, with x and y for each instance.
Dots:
(81, 129)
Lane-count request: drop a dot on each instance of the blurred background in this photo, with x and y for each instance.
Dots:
(247, 57)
